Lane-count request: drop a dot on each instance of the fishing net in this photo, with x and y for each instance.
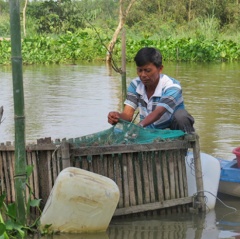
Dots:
(127, 133)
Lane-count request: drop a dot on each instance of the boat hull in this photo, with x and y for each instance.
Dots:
(229, 188)
(230, 178)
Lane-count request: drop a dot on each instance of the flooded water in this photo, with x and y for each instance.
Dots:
(73, 100)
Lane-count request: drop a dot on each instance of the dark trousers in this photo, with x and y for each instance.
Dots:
(182, 120)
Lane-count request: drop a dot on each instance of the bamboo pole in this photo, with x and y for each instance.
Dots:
(18, 96)
(123, 72)
(198, 172)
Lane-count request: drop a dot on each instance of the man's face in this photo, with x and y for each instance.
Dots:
(149, 74)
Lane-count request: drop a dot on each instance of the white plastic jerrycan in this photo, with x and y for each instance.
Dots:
(80, 201)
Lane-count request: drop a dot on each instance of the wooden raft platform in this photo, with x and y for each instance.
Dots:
(151, 177)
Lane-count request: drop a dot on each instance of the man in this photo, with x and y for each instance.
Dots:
(158, 96)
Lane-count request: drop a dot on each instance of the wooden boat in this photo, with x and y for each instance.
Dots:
(230, 178)
(230, 175)
(229, 182)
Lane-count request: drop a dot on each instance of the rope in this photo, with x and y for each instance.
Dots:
(232, 208)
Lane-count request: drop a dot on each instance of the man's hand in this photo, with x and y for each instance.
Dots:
(113, 117)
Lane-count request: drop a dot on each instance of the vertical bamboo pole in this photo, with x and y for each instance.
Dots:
(18, 96)
(123, 72)
(198, 172)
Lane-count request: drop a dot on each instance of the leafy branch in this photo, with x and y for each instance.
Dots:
(9, 225)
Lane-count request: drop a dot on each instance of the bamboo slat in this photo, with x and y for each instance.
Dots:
(90, 164)
(100, 165)
(159, 177)
(35, 175)
(165, 177)
(152, 206)
(131, 182)
(111, 173)
(110, 149)
(151, 175)
(85, 163)
(145, 178)
(171, 175)
(7, 179)
(95, 164)
(178, 165)
(44, 170)
(119, 179)
(125, 181)
(55, 170)
(177, 179)
(2, 184)
(30, 179)
(11, 161)
(138, 182)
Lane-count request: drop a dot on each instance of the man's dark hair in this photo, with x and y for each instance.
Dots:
(148, 55)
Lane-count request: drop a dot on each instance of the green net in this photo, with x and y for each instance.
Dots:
(127, 133)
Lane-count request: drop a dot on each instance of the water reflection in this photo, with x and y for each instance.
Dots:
(102, 235)
(184, 226)
(188, 226)
(228, 216)
(223, 222)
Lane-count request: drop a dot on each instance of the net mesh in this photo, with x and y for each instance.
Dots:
(127, 133)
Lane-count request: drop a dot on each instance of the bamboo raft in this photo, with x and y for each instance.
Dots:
(151, 177)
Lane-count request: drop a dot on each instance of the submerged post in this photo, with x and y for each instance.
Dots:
(19, 117)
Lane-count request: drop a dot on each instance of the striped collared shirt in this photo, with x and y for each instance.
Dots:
(168, 94)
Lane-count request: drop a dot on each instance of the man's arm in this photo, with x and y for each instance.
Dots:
(154, 116)
(169, 99)
(127, 115)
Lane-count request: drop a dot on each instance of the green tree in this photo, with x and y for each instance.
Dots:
(56, 17)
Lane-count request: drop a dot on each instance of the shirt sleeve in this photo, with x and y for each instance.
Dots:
(132, 95)
(171, 99)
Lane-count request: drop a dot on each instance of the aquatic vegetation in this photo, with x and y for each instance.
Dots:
(87, 45)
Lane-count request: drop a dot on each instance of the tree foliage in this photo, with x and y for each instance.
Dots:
(56, 17)
(146, 18)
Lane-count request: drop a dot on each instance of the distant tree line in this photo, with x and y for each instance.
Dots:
(147, 17)
(62, 31)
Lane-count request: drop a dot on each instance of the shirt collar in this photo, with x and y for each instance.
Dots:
(141, 88)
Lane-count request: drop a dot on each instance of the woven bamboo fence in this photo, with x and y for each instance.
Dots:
(151, 177)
